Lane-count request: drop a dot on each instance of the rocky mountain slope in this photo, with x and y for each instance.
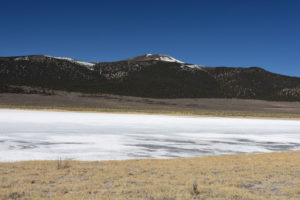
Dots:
(158, 76)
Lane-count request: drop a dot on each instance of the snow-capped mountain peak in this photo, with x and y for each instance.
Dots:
(159, 57)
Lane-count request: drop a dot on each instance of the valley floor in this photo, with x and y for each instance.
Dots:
(247, 176)
(240, 177)
(65, 101)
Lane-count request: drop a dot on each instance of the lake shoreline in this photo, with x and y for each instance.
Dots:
(105, 103)
(154, 112)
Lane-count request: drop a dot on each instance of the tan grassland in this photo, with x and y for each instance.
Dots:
(63, 101)
(238, 177)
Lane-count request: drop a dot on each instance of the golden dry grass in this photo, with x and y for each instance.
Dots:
(253, 176)
(197, 113)
(65, 101)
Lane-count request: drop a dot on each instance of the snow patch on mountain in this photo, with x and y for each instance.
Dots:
(194, 66)
(87, 64)
(22, 58)
(168, 59)
(159, 57)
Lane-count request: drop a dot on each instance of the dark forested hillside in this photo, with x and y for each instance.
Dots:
(145, 78)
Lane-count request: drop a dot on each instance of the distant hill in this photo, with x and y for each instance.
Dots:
(156, 76)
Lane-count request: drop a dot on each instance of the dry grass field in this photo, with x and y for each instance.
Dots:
(65, 101)
(240, 177)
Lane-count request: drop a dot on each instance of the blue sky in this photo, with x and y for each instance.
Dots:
(263, 33)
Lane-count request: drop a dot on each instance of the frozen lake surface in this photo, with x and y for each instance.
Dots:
(42, 135)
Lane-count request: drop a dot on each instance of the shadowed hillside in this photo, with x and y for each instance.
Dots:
(158, 76)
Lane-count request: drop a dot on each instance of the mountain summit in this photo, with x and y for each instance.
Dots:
(158, 57)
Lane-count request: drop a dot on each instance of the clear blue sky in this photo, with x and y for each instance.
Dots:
(263, 33)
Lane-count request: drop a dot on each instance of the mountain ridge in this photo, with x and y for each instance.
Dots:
(149, 75)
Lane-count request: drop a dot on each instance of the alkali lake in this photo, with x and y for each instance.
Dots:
(45, 135)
